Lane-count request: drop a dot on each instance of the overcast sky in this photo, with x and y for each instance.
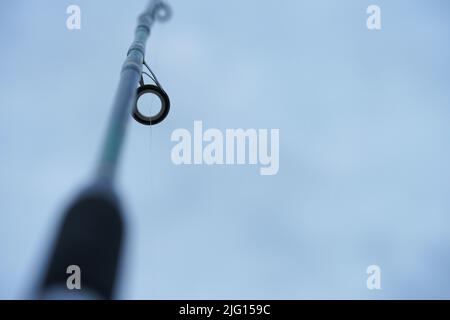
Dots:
(364, 145)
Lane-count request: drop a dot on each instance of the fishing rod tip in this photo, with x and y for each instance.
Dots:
(160, 10)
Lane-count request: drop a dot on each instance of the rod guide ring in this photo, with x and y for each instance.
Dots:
(165, 105)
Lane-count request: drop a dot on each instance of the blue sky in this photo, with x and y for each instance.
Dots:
(364, 135)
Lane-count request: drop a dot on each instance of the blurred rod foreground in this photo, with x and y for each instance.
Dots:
(90, 238)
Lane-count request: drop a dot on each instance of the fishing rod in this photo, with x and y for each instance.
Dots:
(125, 100)
(90, 236)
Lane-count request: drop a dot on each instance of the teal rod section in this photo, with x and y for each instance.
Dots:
(157, 10)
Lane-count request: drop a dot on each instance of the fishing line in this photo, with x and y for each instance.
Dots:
(151, 178)
(153, 77)
(151, 119)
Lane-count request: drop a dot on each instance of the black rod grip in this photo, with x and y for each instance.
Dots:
(90, 237)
